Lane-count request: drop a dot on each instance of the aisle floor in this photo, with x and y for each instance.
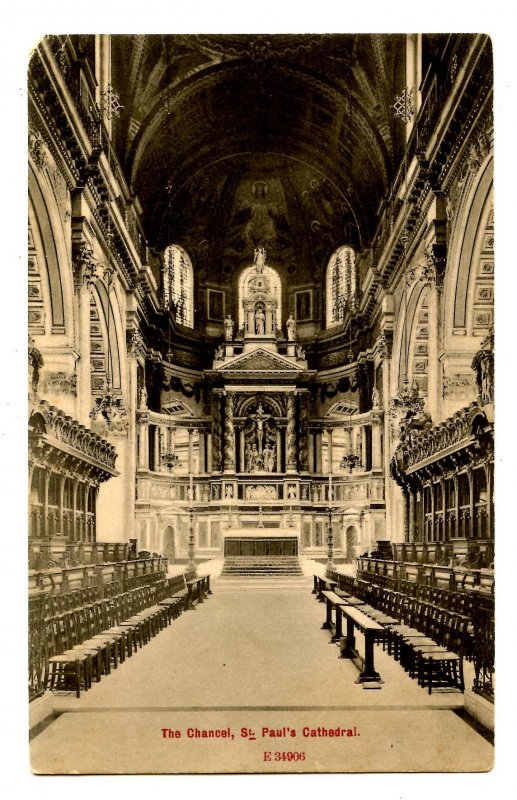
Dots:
(254, 657)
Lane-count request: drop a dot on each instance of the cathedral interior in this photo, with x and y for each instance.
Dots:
(261, 343)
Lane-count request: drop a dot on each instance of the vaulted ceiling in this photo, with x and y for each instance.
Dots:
(235, 141)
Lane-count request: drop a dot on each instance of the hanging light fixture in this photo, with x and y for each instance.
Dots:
(350, 460)
(109, 409)
(170, 458)
(169, 261)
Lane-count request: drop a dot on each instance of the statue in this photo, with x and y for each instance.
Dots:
(483, 365)
(300, 353)
(259, 258)
(260, 418)
(269, 458)
(291, 328)
(219, 353)
(228, 492)
(143, 398)
(228, 328)
(255, 460)
(260, 322)
(35, 364)
(376, 398)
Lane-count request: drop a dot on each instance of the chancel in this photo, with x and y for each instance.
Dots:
(261, 389)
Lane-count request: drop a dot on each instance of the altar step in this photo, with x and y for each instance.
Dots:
(254, 566)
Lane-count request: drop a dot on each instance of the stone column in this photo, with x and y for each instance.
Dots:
(376, 442)
(304, 433)
(292, 461)
(318, 466)
(143, 441)
(157, 461)
(209, 452)
(216, 444)
(242, 448)
(329, 451)
(229, 434)
(364, 454)
(278, 450)
(190, 451)
(201, 463)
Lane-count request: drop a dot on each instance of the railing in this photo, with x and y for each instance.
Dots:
(70, 578)
(455, 578)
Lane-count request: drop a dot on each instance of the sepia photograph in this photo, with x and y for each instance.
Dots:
(261, 530)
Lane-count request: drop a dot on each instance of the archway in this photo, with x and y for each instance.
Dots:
(169, 547)
(351, 543)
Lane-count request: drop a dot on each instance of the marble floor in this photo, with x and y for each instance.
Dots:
(252, 666)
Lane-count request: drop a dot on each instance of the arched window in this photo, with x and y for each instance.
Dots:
(341, 284)
(178, 284)
(275, 288)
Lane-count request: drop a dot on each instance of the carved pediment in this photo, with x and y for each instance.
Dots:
(260, 360)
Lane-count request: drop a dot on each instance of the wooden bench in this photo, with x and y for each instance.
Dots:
(372, 631)
(335, 601)
(321, 585)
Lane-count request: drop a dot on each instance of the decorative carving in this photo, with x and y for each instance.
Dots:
(60, 383)
(383, 344)
(216, 433)
(304, 433)
(135, 344)
(483, 365)
(69, 431)
(229, 433)
(84, 265)
(35, 362)
(431, 440)
(291, 433)
(37, 149)
(457, 385)
(261, 492)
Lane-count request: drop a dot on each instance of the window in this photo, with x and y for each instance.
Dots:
(178, 284)
(341, 284)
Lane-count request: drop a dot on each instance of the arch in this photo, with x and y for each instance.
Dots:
(467, 242)
(169, 544)
(275, 285)
(48, 243)
(178, 284)
(340, 284)
(351, 542)
(407, 322)
(101, 310)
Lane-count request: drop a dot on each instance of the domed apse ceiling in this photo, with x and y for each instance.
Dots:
(233, 142)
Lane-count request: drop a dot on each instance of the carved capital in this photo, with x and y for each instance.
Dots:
(384, 343)
(84, 265)
(134, 342)
(37, 148)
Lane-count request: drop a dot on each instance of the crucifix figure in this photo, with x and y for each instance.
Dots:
(260, 418)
